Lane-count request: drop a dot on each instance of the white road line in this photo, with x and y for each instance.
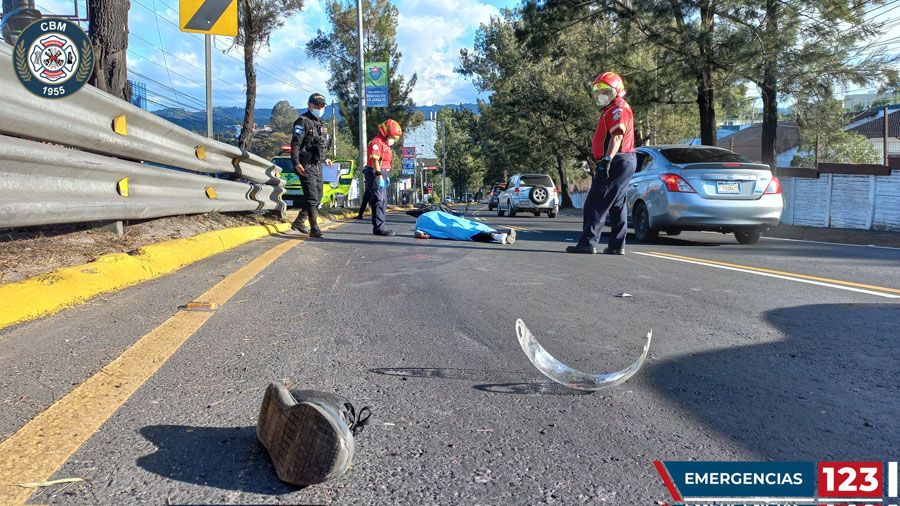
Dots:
(779, 276)
(815, 242)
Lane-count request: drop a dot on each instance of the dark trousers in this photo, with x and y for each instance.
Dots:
(607, 196)
(311, 183)
(367, 196)
(377, 199)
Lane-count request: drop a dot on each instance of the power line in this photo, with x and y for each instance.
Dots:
(188, 79)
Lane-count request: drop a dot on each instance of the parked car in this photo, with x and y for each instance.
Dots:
(680, 188)
(535, 193)
(494, 196)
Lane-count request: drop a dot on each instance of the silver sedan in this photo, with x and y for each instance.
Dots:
(680, 188)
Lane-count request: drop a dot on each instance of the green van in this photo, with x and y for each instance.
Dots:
(339, 183)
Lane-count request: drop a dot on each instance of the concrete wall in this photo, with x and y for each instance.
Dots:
(843, 201)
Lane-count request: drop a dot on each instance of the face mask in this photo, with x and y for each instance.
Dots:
(317, 112)
(603, 100)
(391, 141)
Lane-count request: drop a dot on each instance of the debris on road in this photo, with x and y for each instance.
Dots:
(50, 483)
(565, 375)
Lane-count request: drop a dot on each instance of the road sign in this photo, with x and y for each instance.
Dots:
(376, 84)
(409, 166)
(408, 152)
(212, 17)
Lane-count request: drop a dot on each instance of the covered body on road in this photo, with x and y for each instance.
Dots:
(442, 225)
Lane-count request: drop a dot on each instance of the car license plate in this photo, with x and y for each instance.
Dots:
(289, 202)
(723, 187)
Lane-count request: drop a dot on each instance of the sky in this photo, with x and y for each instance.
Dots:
(429, 36)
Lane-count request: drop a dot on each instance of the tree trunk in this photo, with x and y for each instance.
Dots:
(109, 36)
(705, 88)
(563, 183)
(769, 88)
(246, 137)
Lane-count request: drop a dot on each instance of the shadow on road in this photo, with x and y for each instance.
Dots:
(479, 375)
(228, 458)
(830, 389)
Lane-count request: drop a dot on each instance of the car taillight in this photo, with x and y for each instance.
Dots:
(774, 187)
(674, 183)
(517, 190)
(555, 191)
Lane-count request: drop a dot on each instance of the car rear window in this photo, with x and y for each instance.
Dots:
(284, 164)
(701, 155)
(536, 181)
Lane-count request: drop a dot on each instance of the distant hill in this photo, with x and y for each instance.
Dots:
(224, 118)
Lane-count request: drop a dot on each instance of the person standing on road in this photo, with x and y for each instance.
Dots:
(613, 148)
(309, 147)
(378, 164)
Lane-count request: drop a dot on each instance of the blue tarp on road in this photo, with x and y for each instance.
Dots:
(441, 225)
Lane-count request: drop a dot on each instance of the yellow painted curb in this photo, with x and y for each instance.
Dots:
(49, 293)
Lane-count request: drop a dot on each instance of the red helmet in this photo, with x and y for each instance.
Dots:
(390, 128)
(612, 80)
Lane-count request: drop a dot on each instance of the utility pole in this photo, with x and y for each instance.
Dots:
(444, 163)
(209, 119)
(333, 130)
(362, 87)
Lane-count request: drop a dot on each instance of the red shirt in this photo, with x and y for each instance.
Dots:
(616, 118)
(379, 147)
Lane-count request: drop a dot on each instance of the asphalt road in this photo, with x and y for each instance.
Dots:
(746, 364)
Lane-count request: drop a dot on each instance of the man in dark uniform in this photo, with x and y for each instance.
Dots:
(613, 148)
(309, 147)
(378, 165)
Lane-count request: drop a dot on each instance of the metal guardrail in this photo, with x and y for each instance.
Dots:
(43, 184)
(116, 145)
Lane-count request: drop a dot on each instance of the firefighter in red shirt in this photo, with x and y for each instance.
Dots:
(378, 164)
(613, 148)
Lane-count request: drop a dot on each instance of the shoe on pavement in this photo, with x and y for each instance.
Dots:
(316, 233)
(511, 236)
(308, 440)
(384, 233)
(610, 251)
(587, 250)
(299, 227)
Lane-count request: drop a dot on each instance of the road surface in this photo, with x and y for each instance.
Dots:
(782, 350)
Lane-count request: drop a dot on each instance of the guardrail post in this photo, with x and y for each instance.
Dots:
(114, 227)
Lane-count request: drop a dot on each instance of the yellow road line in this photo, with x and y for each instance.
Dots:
(817, 280)
(38, 449)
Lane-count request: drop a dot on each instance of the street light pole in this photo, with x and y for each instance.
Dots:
(209, 117)
(362, 87)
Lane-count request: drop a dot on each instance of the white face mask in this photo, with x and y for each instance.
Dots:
(317, 112)
(603, 100)
(391, 141)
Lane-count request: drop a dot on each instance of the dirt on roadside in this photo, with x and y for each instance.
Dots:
(29, 252)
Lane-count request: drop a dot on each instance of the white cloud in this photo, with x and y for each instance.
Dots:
(430, 34)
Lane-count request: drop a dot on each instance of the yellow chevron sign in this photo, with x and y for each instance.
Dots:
(212, 17)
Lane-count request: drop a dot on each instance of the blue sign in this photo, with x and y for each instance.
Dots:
(744, 479)
(376, 96)
(377, 82)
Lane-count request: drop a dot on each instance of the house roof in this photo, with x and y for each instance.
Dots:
(871, 123)
(748, 142)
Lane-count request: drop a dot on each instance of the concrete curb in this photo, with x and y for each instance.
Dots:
(50, 293)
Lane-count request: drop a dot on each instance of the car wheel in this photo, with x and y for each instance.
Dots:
(642, 230)
(537, 213)
(500, 211)
(511, 210)
(539, 195)
(747, 236)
